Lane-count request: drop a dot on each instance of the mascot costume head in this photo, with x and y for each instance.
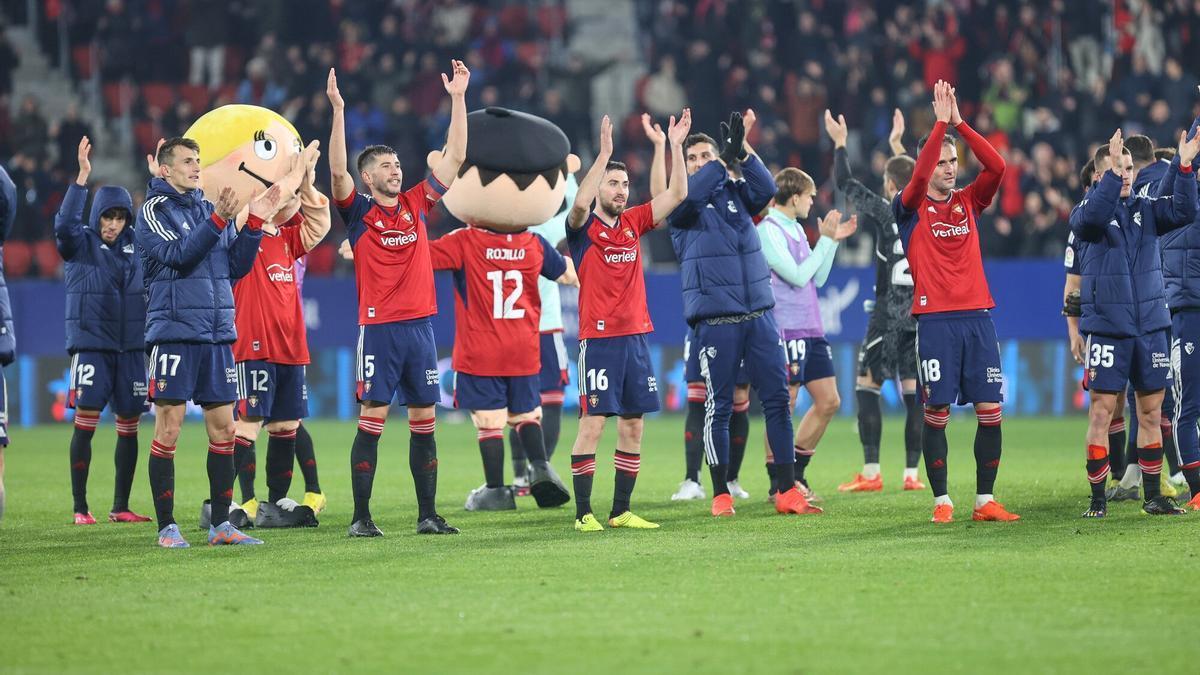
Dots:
(247, 148)
(515, 174)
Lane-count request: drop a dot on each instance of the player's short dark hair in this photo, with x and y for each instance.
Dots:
(1141, 148)
(1164, 153)
(791, 182)
(696, 139)
(948, 139)
(614, 165)
(899, 170)
(1087, 174)
(1102, 153)
(167, 152)
(369, 153)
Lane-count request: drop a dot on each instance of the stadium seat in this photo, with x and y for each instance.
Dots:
(48, 261)
(159, 95)
(81, 56)
(145, 135)
(116, 98)
(197, 95)
(18, 259)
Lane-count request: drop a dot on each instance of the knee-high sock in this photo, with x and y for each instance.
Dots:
(364, 455)
(1150, 459)
(220, 479)
(307, 459)
(627, 465)
(693, 430)
(803, 457)
(245, 461)
(913, 418)
(1116, 446)
(1097, 469)
(125, 461)
(81, 456)
(870, 423)
(423, 463)
(987, 451)
(1170, 454)
(491, 451)
(281, 454)
(933, 442)
(552, 405)
(531, 437)
(520, 464)
(739, 429)
(161, 467)
(583, 468)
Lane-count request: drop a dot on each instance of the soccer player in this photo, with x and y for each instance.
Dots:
(8, 348)
(739, 419)
(796, 272)
(727, 299)
(889, 348)
(496, 359)
(956, 340)
(553, 375)
(397, 356)
(272, 347)
(1124, 308)
(615, 373)
(106, 331)
(190, 254)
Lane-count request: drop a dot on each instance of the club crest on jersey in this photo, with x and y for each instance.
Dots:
(958, 209)
(1189, 348)
(1137, 219)
(729, 205)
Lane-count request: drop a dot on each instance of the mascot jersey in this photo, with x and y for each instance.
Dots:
(391, 254)
(270, 319)
(497, 306)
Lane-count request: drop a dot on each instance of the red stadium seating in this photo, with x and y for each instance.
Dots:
(116, 95)
(48, 260)
(146, 135)
(158, 95)
(81, 56)
(197, 95)
(18, 259)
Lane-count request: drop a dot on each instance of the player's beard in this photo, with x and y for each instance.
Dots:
(611, 210)
(382, 188)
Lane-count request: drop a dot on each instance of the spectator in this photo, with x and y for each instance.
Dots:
(66, 133)
(208, 24)
(30, 131)
(663, 94)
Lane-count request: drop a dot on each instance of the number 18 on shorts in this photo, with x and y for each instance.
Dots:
(959, 359)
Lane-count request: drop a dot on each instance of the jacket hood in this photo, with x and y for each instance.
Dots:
(107, 197)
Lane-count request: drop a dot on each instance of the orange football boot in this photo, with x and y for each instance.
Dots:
(722, 505)
(993, 511)
(793, 501)
(861, 483)
(943, 513)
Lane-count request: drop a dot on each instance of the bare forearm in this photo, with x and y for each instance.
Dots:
(343, 182)
(456, 142)
(588, 188)
(658, 170)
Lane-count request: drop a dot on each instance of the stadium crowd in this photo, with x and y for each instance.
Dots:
(1037, 86)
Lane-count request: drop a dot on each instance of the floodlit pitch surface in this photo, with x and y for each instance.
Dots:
(870, 586)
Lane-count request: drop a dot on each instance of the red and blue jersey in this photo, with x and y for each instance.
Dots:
(497, 306)
(267, 307)
(941, 236)
(612, 287)
(391, 254)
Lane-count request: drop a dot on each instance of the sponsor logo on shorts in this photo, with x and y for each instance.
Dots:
(139, 388)
(651, 383)
(994, 376)
(433, 376)
(1159, 360)
(231, 376)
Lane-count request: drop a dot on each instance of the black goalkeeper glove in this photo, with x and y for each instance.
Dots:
(1073, 305)
(733, 140)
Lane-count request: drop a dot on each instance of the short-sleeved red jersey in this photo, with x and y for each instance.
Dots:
(612, 286)
(391, 254)
(268, 312)
(941, 241)
(497, 306)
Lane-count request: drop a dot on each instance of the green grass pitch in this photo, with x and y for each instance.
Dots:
(871, 586)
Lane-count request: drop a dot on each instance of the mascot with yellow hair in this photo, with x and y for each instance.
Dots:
(250, 149)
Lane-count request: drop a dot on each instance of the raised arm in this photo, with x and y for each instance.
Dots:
(245, 245)
(664, 203)
(340, 179)
(758, 188)
(314, 206)
(589, 187)
(68, 222)
(931, 152)
(456, 138)
(1178, 208)
(896, 137)
(1091, 216)
(658, 164)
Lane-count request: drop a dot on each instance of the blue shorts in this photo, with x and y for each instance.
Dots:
(1142, 361)
(114, 379)
(202, 373)
(517, 393)
(809, 359)
(616, 376)
(691, 363)
(554, 363)
(271, 391)
(959, 359)
(398, 361)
